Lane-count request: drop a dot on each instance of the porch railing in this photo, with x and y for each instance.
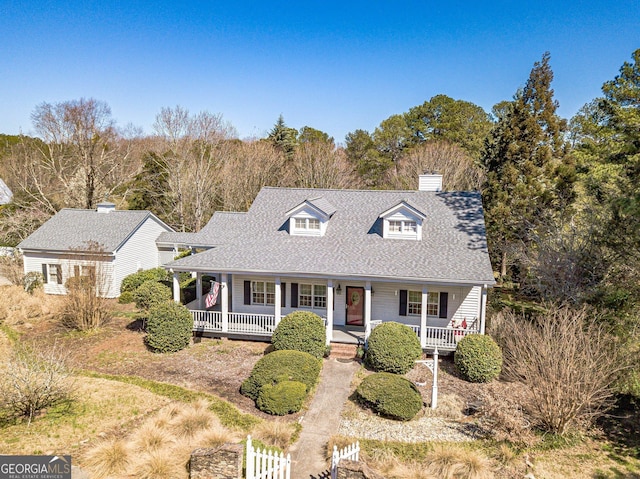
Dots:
(445, 339)
(237, 323)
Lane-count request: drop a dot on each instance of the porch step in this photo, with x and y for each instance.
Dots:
(343, 351)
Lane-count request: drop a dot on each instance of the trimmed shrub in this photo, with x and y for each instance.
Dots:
(282, 398)
(478, 358)
(125, 298)
(393, 348)
(282, 366)
(133, 281)
(169, 327)
(150, 294)
(301, 331)
(390, 395)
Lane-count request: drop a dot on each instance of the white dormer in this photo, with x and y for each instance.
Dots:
(402, 221)
(310, 218)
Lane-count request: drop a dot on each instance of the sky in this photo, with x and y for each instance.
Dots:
(334, 66)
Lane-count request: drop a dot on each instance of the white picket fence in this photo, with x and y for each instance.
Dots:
(351, 453)
(266, 464)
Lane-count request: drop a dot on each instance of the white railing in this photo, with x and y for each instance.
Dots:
(445, 338)
(246, 323)
(266, 464)
(207, 320)
(350, 453)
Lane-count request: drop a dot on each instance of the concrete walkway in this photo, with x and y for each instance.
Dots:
(308, 454)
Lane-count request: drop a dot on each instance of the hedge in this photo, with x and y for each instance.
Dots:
(478, 358)
(392, 348)
(301, 331)
(283, 398)
(169, 327)
(281, 366)
(390, 395)
(131, 282)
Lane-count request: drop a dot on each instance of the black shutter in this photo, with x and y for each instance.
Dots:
(444, 302)
(45, 276)
(294, 295)
(247, 292)
(283, 295)
(403, 302)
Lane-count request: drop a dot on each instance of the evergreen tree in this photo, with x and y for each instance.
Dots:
(283, 137)
(528, 179)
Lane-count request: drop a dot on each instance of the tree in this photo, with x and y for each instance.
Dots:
(457, 121)
(320, 165)
(392, 137)
(311, 135)
(370, 165)
(528, 178)
(460, 172)
(283, 137)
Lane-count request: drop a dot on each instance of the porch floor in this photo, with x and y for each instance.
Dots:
(344, 335)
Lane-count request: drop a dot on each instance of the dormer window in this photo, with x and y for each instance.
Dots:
(402, 221)
(310, 218)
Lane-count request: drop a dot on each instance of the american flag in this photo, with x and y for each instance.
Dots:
(212, 297)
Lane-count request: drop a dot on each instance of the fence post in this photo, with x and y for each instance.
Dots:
(335, 458)
(250, 458)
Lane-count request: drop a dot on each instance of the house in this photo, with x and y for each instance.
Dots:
(106, 243)
(6, 195)
(356, 258)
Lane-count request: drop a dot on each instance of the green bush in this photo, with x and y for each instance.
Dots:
(169, 327)
(301, 331)
(133, 281)
(151, 293)
(478, 358)
(282, 398)
(390, 395)
(281, 366)
(125, 298)
(393, 348)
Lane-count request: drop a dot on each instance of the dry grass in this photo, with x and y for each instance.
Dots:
(274, 433)
(108, 458)
(191, 421)
(150, 438)
(450, 406)
(19, 307)
(159, 465)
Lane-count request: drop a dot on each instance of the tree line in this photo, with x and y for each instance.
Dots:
(561, 197)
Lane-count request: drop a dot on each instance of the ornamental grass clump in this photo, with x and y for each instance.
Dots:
(393, 348)
(301, 331)
(169, 327)
(478, 358)
(391, 396)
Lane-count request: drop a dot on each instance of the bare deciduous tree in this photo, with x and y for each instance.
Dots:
(460, 173)
(567, 362)
(320, 165)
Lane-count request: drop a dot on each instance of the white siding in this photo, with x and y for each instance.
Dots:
(165, 254)
(138, 252)
(33, 263)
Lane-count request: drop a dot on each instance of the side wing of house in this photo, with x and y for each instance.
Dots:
(137, 252)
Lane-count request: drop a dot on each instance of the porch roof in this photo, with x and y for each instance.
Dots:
(453, 246)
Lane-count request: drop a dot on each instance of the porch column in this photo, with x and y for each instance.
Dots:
(176, 287)
(199, 290)
(329, 324)
(423, 316)
(224, 302)
(278, 302)
(367, 308)
(483, 308)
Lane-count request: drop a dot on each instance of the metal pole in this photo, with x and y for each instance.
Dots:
(434, 387)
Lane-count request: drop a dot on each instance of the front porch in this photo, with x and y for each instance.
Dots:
(261, 326)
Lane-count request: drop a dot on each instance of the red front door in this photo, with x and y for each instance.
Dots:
(355, 306)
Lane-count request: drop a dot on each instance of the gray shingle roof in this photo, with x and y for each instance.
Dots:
(222, 226)
(73, 230)
(453, 246)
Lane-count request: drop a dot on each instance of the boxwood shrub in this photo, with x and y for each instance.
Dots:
(169, 327)
(390, 395)
(281, 366)
(283, 398)
(301, 331)
(151, 293)
(392, 348)
(478, 358)
(131, 282)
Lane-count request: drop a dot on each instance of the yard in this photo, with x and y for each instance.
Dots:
(120, 386)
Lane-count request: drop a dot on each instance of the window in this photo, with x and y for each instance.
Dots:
(403, 227)
(263, 292)
(414, 303)
(312, 296)
(55, 274)
(307, 224)
(88, 271)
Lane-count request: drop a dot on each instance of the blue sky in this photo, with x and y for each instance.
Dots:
(335, 66)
